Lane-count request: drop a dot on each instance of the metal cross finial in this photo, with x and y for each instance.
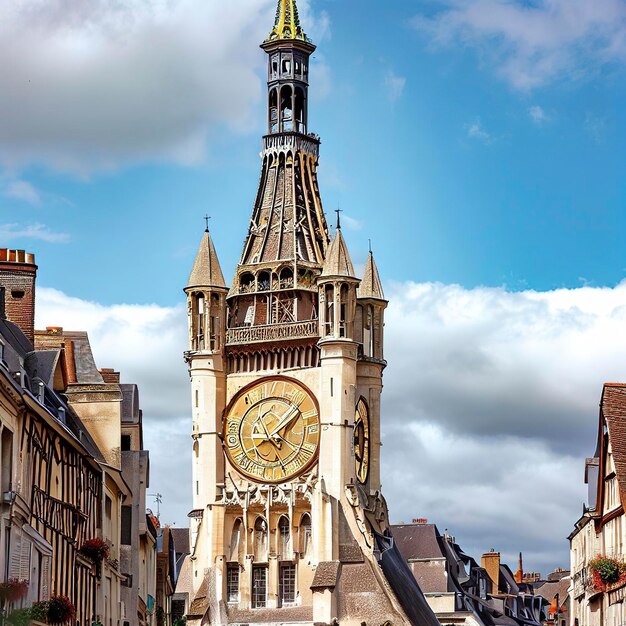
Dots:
(207, 217)
(370, 245)
(338, 212)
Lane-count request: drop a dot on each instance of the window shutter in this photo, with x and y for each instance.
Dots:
(45, 578)
(25, 559)
(15, 558)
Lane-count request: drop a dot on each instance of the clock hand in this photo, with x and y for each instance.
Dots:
(288, 417)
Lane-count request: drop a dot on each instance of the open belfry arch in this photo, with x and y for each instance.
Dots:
(289, 524)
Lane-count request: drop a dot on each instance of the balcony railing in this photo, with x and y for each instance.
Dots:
(272, 332)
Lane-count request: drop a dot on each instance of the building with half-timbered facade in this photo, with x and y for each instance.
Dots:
(73, 472)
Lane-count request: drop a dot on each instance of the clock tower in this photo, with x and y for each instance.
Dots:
(289, 524)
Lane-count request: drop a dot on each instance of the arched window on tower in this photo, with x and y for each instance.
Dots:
(260, 540)
(286, 278)
(300, 115)
(343, 312)
(286, 66)
(264, 282)
(200, 308)
(286, 108)
(273, 111)
(306, 543)
(329, 298)
(368, 331)
(359, 327)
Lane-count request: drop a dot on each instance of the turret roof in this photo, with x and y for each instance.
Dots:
(287, 23)
(371, 285)
(338, 262)
(206, 270)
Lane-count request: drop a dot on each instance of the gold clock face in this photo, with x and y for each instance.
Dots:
(362, 441)
(272, 430)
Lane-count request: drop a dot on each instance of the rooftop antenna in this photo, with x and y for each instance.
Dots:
(158, 498)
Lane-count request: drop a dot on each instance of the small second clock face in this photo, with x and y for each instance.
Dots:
(271, 431)
(362, 441)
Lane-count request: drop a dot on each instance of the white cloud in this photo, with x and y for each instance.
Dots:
(40, 232)
(394, 85)
(531, 44)
(596, 127)
(99, 84)
(537, 115)
(22, 190)
(351, 222)
(476, 131)
(489, 408)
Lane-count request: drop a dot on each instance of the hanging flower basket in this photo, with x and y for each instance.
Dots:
(95, 549)
(60, 610)
(13, 590)
(607, 572)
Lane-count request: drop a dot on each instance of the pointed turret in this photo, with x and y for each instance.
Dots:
(206, 270)
(371, 285)
(337, 286)
(338, 262)
(206, 299)
(287, 23)
(371, 305)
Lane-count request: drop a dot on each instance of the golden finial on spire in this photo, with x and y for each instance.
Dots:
(287, 23)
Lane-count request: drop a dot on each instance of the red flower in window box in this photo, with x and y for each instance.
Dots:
(13, 590)
(95, 549)
(60, 610)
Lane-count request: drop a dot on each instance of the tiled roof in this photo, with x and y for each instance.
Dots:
(200, 604)
(326, 575)
(184, 583)
(338, 262)
(371, 285)
(613, 408)
(206, 270)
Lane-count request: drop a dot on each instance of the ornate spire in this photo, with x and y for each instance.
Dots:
(287, 23)
(371, 285)
(206, 270)
(338, 262)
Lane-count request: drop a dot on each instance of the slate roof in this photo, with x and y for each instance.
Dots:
(206, 271)
(550, 589)
(86, 370)
(613, 407)
(371, 285)
(338, 262)
(181, 540)
(417, 541)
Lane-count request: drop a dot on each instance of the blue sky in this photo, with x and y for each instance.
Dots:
(426, 144)
(478, 143)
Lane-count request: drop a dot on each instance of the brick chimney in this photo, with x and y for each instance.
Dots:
(491, 563)
(17, 275)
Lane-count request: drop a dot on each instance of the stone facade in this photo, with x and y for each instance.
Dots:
(289, 524)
